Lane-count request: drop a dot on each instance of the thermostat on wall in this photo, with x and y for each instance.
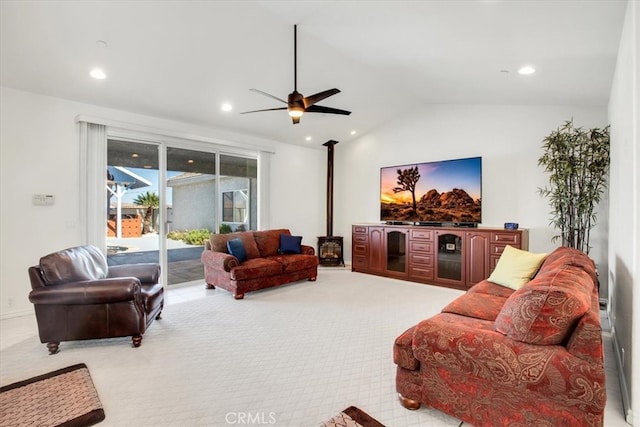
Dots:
(43, 199)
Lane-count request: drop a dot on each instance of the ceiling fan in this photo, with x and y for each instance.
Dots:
(297, 104)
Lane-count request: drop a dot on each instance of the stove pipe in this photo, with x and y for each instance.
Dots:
(330, 144)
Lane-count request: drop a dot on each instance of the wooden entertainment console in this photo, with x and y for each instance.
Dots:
(454, 257)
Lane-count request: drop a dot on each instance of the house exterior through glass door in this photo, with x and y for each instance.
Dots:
(132, 178)
(190, 211)
(169, 223)
(201, 201)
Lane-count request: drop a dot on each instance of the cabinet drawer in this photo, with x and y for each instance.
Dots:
(496, 250)
(493, 262)
(360, 238)
(359, 249)
(505, 237)
(359, 229)
(422, 234)
(360, 263)
(423, 260)
(421, 273)
(420, 246)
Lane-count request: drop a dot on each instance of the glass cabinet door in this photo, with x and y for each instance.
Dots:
(396, 251)
(449, 255)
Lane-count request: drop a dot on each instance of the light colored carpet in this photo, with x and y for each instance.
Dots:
(288, 356)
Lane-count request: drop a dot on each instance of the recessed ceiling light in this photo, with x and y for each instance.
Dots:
(526, 70)
(353, 132)
(226, 107)
(190, 161)
(134, 155)
(98, 74)
(308, 138)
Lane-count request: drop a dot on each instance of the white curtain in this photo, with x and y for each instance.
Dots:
(93, 191)
(264, 173)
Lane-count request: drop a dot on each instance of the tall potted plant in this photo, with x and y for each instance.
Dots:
(577, 161)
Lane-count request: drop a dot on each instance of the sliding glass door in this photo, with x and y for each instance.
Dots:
(238, 190)
(164, 200)
(191, 204)
(133, 174)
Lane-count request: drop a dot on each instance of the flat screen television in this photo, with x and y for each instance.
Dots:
(432, 193)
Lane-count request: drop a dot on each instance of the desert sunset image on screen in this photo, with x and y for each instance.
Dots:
(442, 191)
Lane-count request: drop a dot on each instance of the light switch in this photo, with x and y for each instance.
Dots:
(43, 199)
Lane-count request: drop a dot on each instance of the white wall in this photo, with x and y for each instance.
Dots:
(193, 204)
(624, 241)
(39, 154)
(298, 192)
(509, 139)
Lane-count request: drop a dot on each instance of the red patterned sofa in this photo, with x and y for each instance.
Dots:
(502, 357)
(266, 266)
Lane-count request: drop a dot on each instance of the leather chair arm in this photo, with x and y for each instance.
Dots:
(307, 250)
(219, 260)
(148, 273)
(89, 292)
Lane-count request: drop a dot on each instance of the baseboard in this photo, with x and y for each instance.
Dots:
(624, 387)
(345, 266)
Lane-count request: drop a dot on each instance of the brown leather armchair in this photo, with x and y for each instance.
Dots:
(77, 296)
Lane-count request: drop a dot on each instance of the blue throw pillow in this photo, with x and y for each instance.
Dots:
(290, 244)
(236, 248)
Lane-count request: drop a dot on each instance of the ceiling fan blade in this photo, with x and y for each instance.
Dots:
(328, 110)
(296, 102)
(266, 109)
(310, 100)
(269, 95)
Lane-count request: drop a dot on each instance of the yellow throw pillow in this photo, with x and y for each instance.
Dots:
(516, 267)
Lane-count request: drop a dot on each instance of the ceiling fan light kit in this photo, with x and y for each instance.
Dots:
(296, 112)
(297, 104)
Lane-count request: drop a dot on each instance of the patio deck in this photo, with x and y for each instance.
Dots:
(184, 260)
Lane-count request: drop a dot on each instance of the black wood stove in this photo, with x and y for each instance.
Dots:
(330, 247)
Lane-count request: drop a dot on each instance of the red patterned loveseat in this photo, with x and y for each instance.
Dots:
(502, 357)
(266, 264)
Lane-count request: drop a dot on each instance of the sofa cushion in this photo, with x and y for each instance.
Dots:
(570, 256)
(219, 243)
(236, 248)
(516, 267)
(74, 264)
(489, 288)
(442, 334)
(268, 241)
(295, 262)
(290, 244)
(256, 267)
(476, 305)
(546, 310)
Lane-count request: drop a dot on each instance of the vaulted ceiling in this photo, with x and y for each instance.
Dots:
(183, 59)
